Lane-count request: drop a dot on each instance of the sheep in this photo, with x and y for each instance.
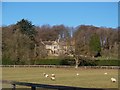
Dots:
(105, 73)
(113, 80)
(53, 75)
(77, 74)
(53, 78)
(46, 75)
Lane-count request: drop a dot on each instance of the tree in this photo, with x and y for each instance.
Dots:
(81, 39)
(95, 45)
(24, 28)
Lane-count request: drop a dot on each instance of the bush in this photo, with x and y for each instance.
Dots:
(88, 63)
(48, 62)
(108, 62)
(64, 62)
(99, 63)
(53, 62)
(7, 61)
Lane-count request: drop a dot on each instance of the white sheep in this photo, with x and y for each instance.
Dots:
(53, 78)
(105, 73)
(53, 75)
(77, 74)
(46, 75)
(113, 80)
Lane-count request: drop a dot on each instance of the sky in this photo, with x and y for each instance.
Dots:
(101, 14)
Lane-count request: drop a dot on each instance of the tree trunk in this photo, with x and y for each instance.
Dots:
(77, 62)
(35, 55)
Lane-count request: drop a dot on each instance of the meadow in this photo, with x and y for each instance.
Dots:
(87, 78)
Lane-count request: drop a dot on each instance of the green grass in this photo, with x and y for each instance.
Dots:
(88, 78)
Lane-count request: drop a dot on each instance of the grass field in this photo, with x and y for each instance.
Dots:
(88, 78)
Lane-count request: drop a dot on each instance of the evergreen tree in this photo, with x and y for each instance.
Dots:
(95, 45)
(27, 28)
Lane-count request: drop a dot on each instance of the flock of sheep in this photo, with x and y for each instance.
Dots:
(52, 77)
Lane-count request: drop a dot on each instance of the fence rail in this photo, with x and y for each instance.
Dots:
(62, 66)
(46, 86)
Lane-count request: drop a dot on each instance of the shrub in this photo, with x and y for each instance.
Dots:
(88, 63)
(7, 61)
(108, 62)
(54, 62)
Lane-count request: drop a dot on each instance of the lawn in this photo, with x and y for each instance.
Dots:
(87, 78)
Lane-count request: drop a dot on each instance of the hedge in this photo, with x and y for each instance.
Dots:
(70, 62)
(53, 62)
(7, 61)
(108, 62)
(83, 62)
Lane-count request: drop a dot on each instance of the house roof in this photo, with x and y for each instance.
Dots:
(62, 43)
(50, 42)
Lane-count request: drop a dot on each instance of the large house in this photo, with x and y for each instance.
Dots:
(52, 48)
(55, 48)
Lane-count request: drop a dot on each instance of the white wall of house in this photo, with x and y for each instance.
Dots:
(53, 49)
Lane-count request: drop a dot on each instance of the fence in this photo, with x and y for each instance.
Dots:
(57, 87)
(62, 66)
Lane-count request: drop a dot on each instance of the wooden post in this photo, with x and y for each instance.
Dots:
(13, 86)
(33, 88)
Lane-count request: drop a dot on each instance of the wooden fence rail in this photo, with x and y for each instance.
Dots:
(62, 66)
(58, 87)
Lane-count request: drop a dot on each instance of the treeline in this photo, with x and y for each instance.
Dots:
(22, 43)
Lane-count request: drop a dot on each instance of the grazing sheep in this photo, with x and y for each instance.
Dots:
(113, 79)
(53, 78)
(105, 73)
(46, 75)
(53, 75)
(77, 74)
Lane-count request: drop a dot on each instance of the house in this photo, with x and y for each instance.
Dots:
(56, 48)
(52, 48)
